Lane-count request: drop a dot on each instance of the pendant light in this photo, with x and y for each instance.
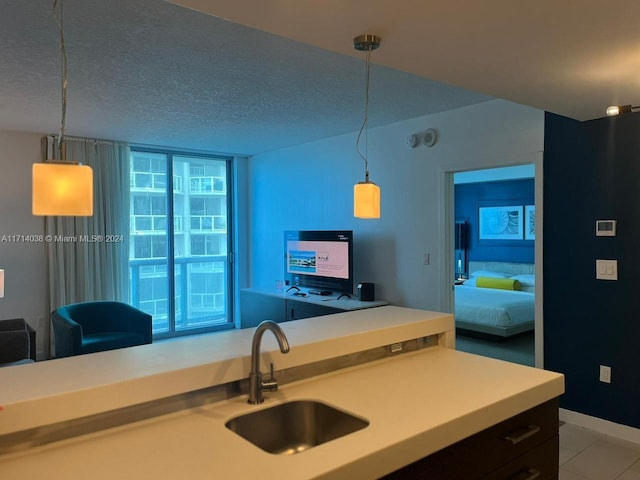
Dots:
(366, 195)
(62, 187)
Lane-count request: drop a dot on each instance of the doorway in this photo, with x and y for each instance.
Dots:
(503, 202)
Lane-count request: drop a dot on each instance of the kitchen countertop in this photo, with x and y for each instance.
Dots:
(43, 393)
(416, 403)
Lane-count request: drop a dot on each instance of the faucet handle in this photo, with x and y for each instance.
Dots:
(272, 384)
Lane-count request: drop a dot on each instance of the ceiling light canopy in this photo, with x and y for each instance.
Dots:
(366, 195)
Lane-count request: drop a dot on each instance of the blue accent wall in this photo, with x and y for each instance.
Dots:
(591, 172)
(470, 196)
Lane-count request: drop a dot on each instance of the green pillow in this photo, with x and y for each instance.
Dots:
(501, 283)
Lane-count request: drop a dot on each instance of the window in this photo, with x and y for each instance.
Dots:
(180, 243)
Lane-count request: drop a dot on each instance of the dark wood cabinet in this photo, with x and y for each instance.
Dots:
(523, 447)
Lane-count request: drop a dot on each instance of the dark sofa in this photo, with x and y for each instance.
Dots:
(17, 342)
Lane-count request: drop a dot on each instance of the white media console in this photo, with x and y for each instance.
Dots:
(257, 305)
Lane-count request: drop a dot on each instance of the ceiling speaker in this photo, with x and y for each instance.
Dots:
(430, 138)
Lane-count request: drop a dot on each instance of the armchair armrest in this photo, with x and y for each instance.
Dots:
(68, 334)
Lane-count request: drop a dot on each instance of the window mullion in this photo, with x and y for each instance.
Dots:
(171, 270)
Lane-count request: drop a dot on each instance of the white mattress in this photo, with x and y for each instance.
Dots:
(493, 307)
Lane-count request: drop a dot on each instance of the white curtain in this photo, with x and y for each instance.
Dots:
(88, 256)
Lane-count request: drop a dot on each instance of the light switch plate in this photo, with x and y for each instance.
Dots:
(607, 269)
(606, 228)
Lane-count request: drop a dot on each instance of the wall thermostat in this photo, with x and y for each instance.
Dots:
(606, 228)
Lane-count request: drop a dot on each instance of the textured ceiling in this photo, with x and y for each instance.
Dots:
(571, 57)
(150, 72)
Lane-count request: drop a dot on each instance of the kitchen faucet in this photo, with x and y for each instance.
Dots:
(256, 385)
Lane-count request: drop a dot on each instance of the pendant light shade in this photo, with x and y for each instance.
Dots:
(366, 195)
(62, 189)
(366, 200)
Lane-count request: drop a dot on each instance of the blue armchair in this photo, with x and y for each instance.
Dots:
(91, 327)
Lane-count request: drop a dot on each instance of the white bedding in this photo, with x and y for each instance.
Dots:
(493, 307)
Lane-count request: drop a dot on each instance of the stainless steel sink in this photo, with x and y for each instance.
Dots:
(294, 427)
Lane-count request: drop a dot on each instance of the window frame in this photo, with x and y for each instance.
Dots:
(170, 232)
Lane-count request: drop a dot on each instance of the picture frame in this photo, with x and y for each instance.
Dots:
(529, 222)
(501, 222)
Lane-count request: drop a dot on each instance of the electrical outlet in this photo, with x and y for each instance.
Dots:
(426, 259)
(40, 323)
(605, 374)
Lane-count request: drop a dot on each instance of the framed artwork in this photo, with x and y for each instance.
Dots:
(530, 222)
(501, 223)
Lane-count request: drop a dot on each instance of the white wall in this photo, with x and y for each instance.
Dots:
(24, 262)
(310, 187)
(495, 174)
(240, 227)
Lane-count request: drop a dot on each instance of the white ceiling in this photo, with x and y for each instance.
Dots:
(282, 73)
(571, 57)
(150, 72)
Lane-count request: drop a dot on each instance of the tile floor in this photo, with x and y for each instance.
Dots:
(588, 455)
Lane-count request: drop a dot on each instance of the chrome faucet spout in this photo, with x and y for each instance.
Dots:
(256, 385)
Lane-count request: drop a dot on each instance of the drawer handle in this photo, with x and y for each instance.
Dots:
(529, 474)
(518, 435)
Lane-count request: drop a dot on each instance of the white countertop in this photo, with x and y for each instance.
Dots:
(39, 394)
(416, 403)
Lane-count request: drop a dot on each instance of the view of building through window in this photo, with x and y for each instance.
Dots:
(179, 244)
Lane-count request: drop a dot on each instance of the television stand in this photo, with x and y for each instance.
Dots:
(257, 305)
(323, 293)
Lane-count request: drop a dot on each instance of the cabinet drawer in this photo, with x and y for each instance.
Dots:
(540, 463)
(507, 440)
(476, 456)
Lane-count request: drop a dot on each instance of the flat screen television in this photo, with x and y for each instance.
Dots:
(319, 260)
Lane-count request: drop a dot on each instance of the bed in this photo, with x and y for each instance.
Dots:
(496, 311)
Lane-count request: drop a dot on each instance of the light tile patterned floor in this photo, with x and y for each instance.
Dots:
(588, 455)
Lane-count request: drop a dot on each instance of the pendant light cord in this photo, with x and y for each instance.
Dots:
(60, 22)
(365, 122)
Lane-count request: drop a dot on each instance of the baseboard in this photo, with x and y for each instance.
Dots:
(601, 426)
